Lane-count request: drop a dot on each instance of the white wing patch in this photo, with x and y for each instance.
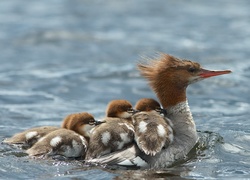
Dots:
(55, 141)
(125, 115)
(31, 135)
(161, 131)
(142, 126)
(124, 140)
(106, 137)
(124, 137)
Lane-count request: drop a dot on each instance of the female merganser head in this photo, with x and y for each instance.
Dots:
(81, 123)
(29, 137)
(169, 77)
(116, 133)
(63, 142)
(152, 130)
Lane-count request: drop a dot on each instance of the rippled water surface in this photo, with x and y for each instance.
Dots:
(60, 57)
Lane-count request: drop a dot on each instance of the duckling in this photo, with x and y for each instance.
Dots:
(71, 142)
(152, 130)
(63, 142)
(116, 133)
(29, 137)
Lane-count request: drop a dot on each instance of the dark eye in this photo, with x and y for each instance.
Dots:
(130, 110)
(192, 69)
(158, 109)
(91, 122)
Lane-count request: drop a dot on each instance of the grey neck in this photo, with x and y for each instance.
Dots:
(185, 136)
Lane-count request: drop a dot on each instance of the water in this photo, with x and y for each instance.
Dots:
(60, 57)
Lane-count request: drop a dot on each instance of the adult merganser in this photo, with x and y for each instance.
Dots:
(169, 77)
(152, 130)
(117, 131)
(66, 142)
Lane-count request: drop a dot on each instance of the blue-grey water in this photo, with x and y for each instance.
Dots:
(59, 57)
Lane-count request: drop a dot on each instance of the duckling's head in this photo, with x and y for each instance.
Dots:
(148, 104)
(120, 109)
(82, 123)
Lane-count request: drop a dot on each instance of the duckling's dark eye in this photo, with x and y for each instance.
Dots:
(192, 69)
(158, 109)
(91, 122)
(130, 110)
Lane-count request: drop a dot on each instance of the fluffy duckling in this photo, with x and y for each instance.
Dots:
(116, 133)
(63, 142)
(152, 130)
(66, 142)
(27, 138)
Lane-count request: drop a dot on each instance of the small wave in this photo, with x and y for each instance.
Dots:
(204, 148)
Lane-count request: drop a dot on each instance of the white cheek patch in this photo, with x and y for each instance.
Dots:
(161, 131)
(31, 135)
(142, 127)
(125, 115)
(87, 129)
(105, 138)
(55, 141)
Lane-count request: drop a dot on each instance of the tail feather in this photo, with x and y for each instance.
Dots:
(150, 145)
